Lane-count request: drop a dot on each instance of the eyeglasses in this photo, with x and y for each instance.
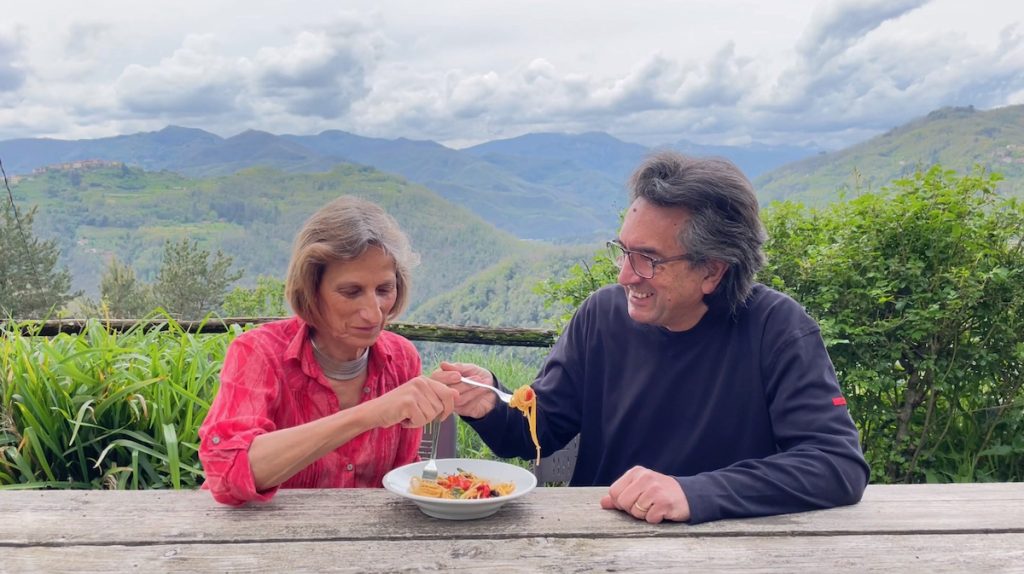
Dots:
(643, 265)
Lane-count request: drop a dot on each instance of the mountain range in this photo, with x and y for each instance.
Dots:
(476, 214)
(548, 186)
(558, 187)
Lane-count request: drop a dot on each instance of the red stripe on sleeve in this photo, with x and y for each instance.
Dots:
(839, 401)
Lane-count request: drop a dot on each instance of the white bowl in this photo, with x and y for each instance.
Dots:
(397, 481)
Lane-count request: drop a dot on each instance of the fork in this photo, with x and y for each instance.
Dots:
(505, 397)
(430, 469)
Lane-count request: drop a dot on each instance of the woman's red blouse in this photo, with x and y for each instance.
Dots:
(271, 381)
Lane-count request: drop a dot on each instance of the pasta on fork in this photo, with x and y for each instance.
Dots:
(525, 400)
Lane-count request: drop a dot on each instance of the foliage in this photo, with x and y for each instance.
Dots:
(190, 285)
(122, 295)
(103, 409)
(918, 293)
(31, 284)
(583, 279)
(266, 299)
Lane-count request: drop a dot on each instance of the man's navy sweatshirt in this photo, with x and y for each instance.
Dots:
(743, 409)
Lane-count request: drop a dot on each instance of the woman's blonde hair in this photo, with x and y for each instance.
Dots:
(343, 230)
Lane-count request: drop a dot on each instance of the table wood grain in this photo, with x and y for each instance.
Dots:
(934, 528)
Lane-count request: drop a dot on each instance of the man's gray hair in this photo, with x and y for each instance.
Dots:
(724, 222)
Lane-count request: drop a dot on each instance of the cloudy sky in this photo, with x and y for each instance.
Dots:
(828, 73)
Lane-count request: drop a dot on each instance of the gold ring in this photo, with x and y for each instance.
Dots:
(642, 510)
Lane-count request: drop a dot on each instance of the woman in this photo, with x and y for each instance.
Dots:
(328, 398)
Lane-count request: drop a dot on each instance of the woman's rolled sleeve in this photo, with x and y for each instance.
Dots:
(224, 451)
(239, 413)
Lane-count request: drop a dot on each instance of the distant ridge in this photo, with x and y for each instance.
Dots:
(467, 211)
(563, 188)
(551, 187)
(754, 159)
(959, 138)
(595, 151)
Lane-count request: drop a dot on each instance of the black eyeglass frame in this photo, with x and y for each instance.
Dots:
(628, 254)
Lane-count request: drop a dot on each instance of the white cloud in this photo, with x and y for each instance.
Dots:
(838, 26)
(869, 77)
(195, 81)
(462, 72)
(12, 76)
(321, 73)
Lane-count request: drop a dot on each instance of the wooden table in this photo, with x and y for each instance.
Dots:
(920, 528)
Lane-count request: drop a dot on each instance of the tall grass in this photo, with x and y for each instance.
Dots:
(113, 410)
(105, 409)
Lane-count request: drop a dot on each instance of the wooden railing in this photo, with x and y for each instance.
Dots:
(501, 336)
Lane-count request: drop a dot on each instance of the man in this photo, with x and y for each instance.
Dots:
(697, 394)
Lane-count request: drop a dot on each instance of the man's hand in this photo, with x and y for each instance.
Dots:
(648, 495)
(472, 401)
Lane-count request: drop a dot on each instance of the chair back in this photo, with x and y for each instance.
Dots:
(439, 440)
(558, 466)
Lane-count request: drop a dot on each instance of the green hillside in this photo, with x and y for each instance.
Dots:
(252, 215)
(503, 295)
(472, 271)
(956, 138)
(511, 200)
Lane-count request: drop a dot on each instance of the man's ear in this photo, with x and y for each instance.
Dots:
(713, 271)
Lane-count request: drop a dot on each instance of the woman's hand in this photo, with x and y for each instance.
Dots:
(472, 402)
(648, 495)
(414, 404)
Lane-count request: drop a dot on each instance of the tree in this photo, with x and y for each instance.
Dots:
(122, 295)
(918, 291)
(583, 280)
(31, 284)
(266, 299)
(190, 284)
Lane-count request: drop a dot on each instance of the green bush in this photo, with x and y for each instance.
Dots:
(104, 409)
(918, 290)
